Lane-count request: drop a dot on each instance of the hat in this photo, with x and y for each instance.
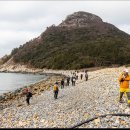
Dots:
(126, 70)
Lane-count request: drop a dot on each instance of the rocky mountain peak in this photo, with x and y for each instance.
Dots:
(80, 19)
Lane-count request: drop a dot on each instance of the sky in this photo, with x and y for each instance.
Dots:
(21, 21)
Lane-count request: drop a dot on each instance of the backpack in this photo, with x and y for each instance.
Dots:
(55, 87)
(29, 94)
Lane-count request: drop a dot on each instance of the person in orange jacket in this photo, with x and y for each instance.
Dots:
(124, 83)
(56, 90)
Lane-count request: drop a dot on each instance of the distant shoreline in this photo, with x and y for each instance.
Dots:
(38, 73)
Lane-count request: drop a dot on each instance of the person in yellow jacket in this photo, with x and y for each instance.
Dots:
(124, 83)
(56, 90)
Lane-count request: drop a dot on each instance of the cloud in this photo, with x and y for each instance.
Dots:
(124, 27)
(14, 39)
(21, 21)
(21, 11)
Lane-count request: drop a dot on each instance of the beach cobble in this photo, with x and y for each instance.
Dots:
(97, 96)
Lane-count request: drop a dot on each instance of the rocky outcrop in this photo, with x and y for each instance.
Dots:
(80, 19)
(10, 66)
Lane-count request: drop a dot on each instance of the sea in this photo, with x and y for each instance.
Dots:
(12, 81)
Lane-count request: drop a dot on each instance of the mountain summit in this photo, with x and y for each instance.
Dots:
(81, 40)
(80, 19)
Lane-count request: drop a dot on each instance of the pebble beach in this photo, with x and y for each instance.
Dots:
(97, 96)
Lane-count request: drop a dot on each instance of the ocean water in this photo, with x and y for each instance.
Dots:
(13, 81)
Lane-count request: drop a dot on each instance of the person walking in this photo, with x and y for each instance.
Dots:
(56, 90)
(68, 80)
(86, 75)
(28, 96)
(73, 79)
(124, 83)
(81, 76)
(62, 83)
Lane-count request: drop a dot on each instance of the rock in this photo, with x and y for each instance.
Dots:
(19, 105)
(42, 120)
(123, 122)
(117, 121)
(115, 127)
(80, 19)
(86, 115)
(127, 110)
(21, 123)
(97, 121)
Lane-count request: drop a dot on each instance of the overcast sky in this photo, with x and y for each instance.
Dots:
(21, 21)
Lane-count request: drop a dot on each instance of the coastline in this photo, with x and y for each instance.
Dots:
(7, 99)
(54, 75)
(97, 96)
(12, 98)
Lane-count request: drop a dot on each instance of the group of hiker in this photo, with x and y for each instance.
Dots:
(86, 76)
(123, 80)
(62, 84)
(69, 79)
